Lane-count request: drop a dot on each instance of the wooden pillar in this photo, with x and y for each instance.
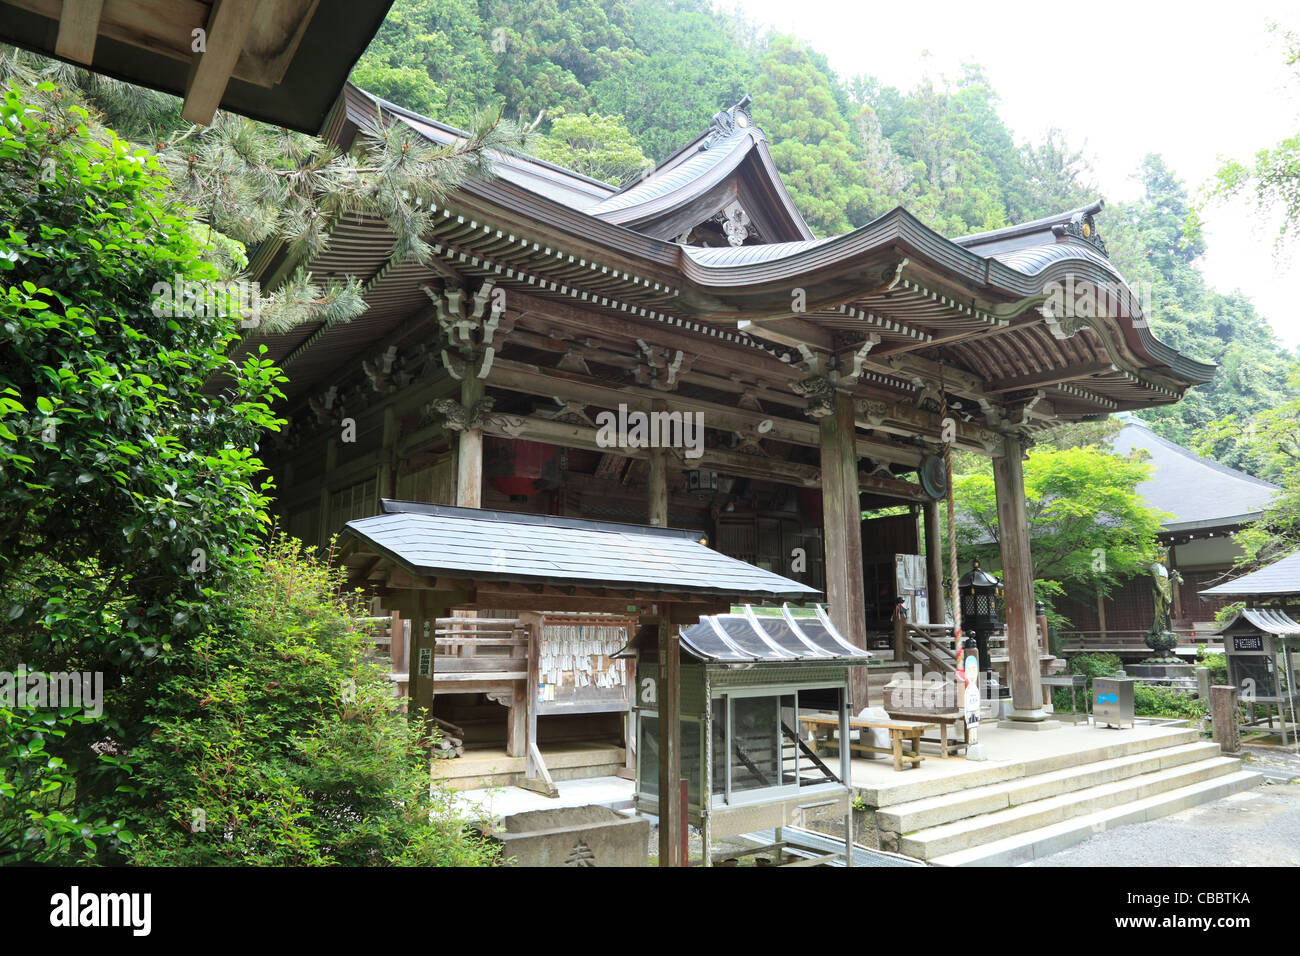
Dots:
(331, 460)
(842, 519)
(933, 562)
(670, 739)
(520, 718)
(424, 610)
(657, 487)
(1174, 588)
(1018, 581)
(469, 451)
(385, 474)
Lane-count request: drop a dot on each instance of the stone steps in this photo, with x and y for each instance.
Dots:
(905, 791)
(984, 828)
(928, 812)
(1025, 847)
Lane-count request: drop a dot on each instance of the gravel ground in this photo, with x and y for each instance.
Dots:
(1258, 827)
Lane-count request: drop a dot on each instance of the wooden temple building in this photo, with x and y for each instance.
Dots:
(798, 381)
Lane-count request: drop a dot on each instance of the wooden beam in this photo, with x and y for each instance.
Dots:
(210, 71)
(1051, 377)
(670, 742)
(573, 387)
(78, 30)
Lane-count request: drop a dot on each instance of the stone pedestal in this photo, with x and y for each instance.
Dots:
(1223, 711)
(1019, 723)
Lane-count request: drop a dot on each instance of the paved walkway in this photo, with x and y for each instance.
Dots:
(1258, 827)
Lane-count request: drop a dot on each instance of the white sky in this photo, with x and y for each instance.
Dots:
(1195, 81)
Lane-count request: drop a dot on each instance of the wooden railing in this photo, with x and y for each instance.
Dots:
(479, 649)
(929, 645)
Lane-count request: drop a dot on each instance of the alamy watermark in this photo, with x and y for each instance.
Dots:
(187, 298)
(1085, 299)
(636, 429)
(81, 690)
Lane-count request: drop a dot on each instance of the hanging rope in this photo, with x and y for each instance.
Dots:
(952, 536)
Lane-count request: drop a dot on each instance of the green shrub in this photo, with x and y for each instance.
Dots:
(1218, 665)
(128, 494)
(1154, 701)
(1095, 665)
(278, 737)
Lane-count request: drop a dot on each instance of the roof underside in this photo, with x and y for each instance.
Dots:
(293, 61)
(921, 297)
(440, 541)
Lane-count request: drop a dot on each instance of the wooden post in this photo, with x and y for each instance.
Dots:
(426, 608)
(657, 487)
(385, 480)
(1223, 714)
(1040, 620)
(1018, 582)
(670, 739)
(842, 519)
(1101, 618)
(331, 460)
(536, 776)
(469, 449)
(933, 562)
(519, 720)
(900, 637)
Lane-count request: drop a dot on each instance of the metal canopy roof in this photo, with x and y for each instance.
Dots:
(1263, 619)
(747, 638)
(1279, 579)
(469, 543)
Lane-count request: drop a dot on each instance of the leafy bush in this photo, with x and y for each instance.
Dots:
(275, 742)
(1217, 662)
(129, 496)
(1095, 665)
(1154, 701)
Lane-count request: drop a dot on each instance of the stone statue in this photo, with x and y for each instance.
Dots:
(1161, 638)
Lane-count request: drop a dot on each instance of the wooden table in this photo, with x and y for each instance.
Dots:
(822, 728)
(943, 720)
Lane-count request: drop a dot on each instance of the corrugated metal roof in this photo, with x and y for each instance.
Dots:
(1264, 619)
(440, 540)
(747, 638)
(1278, 579)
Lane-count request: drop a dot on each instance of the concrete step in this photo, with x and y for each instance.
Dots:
(947, 838)
(1024, 847)
(906, 791)
(935, 811)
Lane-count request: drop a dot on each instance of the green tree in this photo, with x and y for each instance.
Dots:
(795, 105)
(434, 57)
(1088, 527)
(592, 144)
(1272, 177)
(129, 494)
(690, 66)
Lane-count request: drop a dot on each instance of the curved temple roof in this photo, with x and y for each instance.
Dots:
(1279, 579)
(897, 295)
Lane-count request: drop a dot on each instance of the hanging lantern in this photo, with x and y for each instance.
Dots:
(979, 600)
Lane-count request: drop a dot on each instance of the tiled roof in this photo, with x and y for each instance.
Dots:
(444, 541)
(1196, 491)
(1278, 579)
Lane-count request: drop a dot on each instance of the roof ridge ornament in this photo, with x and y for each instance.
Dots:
(1082, 225)
(725, 122)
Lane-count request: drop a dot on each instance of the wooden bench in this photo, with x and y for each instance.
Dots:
(822, 728)
(944, 721)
